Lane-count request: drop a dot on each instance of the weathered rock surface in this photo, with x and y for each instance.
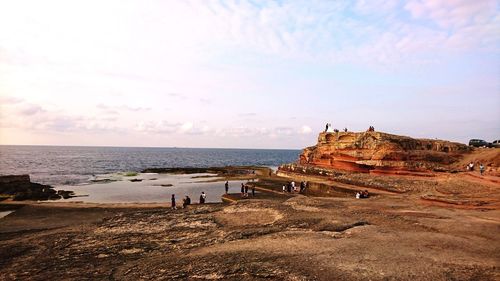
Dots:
(21, 188)
(300, 238)
(378, 152)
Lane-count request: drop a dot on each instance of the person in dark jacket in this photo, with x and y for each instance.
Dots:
(173, 202)
(186, 202)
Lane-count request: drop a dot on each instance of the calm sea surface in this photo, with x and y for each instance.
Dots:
(69, 165)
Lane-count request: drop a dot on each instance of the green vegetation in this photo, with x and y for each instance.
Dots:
(130, 174)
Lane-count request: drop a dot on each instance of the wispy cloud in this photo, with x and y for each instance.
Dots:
(31, 109)
(305, 130)
(121, 107)
(8, 100)
(177, 95)
(247, 114)
(243, 70)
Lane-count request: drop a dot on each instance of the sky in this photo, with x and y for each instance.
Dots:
(246, 74)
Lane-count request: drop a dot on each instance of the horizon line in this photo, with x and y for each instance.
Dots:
(175, 147)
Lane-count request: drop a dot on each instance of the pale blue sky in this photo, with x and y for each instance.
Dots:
(250, 74)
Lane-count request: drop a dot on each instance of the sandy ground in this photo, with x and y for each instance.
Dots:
(391, 236)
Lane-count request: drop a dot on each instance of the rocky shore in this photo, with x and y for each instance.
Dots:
(323, 234)
(417, 224)
(285, 238)
(20, 187)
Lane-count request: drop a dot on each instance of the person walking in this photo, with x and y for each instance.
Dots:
(173, 202)
(226, 186)
(242, 190)
(246, 190)
(481, 168)
(203, 197)
(253, 191)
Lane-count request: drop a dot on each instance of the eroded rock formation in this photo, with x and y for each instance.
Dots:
(377, 152)
(21, 188)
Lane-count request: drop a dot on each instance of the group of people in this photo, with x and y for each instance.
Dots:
(291, 187)
(371, 129)
(186, 201)
(244, 190)
(470, 167)
(362, 194)
(329, 126)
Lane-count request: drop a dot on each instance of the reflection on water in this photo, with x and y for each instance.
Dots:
(151, 188)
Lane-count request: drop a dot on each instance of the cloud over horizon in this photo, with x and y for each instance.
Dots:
(246, 73)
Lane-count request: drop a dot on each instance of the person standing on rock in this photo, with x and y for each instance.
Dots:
(481, 168)
(242, 190)
(246, 190)
(471, 166)
(173, 202)
(253, 190)
(226, 186)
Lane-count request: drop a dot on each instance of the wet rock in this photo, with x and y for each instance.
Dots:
(102, 180)
(66, 194)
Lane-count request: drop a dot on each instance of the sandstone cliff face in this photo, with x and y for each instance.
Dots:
(377, 152)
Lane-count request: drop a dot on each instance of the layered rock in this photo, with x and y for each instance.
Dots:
(377, 152)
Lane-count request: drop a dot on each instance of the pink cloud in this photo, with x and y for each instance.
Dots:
(453, 13)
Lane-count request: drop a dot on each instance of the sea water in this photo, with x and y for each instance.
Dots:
(71, 165)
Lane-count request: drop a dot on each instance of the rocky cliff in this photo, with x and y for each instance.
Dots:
(378, 152)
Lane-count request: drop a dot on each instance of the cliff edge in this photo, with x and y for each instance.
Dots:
(378, 152)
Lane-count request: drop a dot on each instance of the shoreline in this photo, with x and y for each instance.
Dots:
(268, 236)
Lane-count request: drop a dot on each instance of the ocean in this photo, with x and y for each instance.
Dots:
(72, 165)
